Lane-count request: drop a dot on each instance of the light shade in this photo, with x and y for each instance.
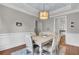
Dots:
(43, 15)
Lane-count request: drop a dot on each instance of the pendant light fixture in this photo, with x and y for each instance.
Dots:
(43, 15)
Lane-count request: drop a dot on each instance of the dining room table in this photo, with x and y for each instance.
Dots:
(41, 40)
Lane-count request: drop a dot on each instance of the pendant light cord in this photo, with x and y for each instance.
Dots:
(43, 6)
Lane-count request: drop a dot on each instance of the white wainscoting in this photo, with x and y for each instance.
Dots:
(72, 39)
(10, 40)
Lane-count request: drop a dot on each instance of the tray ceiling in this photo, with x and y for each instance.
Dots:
(35, 8)
(47, 6)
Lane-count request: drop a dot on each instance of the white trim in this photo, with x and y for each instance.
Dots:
(67, 7)
(34, 12)
(65, 13)
(29, 10)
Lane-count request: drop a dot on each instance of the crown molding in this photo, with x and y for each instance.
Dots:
(67, 10)
(24, 8)
(63, 9)
(66, 13)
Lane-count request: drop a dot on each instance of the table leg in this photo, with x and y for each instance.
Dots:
(51, 52)
(40, 49)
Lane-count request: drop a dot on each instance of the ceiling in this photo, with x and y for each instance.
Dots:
(47, 6)
(35, 8)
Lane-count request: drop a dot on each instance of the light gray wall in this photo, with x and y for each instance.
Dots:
(73, 18)
(72, 37)
(47, 26)
(9, 17)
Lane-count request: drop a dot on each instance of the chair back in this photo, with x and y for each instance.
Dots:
(29, 44)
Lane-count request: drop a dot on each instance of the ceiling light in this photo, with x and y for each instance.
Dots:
(43, 15)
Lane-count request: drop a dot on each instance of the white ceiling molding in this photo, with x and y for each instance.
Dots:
(28, 6)
(67, 7)
(67, 12)
(71, 10)
(25, 8)
(29, 10)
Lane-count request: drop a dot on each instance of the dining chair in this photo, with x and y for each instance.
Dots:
(31, 47)
(49, 48)
(29, 44)
(52, 46)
